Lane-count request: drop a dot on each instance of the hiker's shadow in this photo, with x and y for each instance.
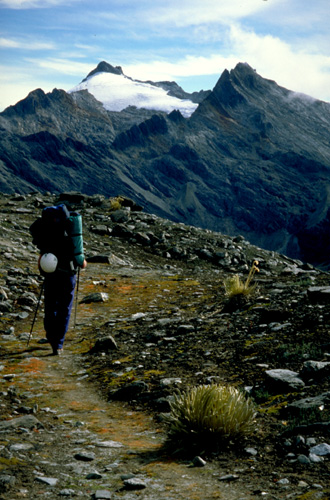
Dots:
(42, 352)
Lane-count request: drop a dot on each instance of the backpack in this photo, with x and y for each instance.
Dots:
(59, 232)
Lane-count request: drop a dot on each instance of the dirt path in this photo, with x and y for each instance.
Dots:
(117, 443)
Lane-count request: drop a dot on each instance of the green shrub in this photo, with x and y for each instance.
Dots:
(289, 353)
(213, 410)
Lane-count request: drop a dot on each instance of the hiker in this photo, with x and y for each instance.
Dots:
(58, 236)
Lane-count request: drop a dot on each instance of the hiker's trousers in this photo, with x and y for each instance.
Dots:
(59, 295)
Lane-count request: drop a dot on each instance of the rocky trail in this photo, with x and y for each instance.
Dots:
(153, 318)
(61, 438)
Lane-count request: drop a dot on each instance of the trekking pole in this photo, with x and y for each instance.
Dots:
(75, 311)
(35, 314)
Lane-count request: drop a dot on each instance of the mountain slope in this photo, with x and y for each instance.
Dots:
(252, 158)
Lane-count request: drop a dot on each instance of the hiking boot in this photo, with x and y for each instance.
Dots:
(57, 352)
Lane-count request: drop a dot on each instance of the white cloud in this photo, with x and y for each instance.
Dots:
(11, 93)
(15, 85)
(194, 12)
(30, 4)
(8, 43)
(299, 71)
(188, 66)
(63, 66)
(5, 43)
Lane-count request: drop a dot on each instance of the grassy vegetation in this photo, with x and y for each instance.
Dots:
(211, 410)
(235, 286)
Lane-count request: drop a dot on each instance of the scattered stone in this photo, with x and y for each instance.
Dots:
(134, 483)
(100, 229)
(308, 403)
(138, 315)
(129, 392)
(95, 297)
(311, 441)
(102, 495)
(21, 447)
(84, 456)
(316, 486)
(251, 451)
(104, 344)
(120, 216)
(165, 382)
(281, 379)
(315, 369)
(94, 475)
(116, 261)
(283, 482)
(198, 462)
(319, 294)
(302, 484)
(6, 306)
(6, 482)
(109, 444)
(127, 476)
(50, 481)
(315, 459)
(229, 477)
(302, 459)
(67, 493)
(27, 422)
(320, 450)
(99, 259)
(185, 329)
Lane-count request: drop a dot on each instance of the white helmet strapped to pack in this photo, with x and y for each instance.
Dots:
(48, 262)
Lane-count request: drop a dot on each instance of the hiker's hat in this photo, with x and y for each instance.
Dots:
(48, 262)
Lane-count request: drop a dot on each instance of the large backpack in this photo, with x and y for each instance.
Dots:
(59, 232)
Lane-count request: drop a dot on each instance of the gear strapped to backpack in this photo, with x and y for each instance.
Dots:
(59, 232)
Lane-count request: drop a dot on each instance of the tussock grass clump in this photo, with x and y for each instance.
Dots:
(211, 410)
(235, 286)
(116, 203)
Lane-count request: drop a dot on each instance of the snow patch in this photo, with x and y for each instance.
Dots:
(117, 92)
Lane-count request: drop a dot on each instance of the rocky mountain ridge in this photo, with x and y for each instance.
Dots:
(253, 159)
(153, 317)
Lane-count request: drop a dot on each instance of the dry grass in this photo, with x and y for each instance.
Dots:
(217, 410)
(235, 286)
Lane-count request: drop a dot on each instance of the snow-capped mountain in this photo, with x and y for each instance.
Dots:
(117, 91)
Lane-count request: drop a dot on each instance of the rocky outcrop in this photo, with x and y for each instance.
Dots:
(104, 67)
(137, 135)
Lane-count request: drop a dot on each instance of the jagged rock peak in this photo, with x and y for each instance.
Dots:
(104, 67)
(226, 91)
(231, 86)
(243, 69)
(35, 100)
(248, 77)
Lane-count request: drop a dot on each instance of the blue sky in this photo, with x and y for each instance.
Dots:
(55, 43)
